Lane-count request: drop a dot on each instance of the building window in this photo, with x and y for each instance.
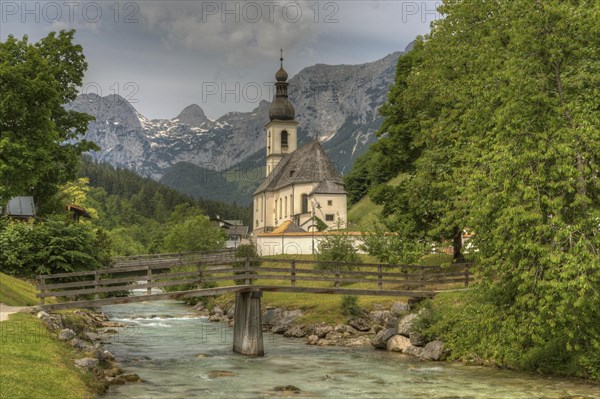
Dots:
(256, 204)
(257, 223)
(330, 202)
(280, 202)
(284, 139)
(286, 207)
(304, 203)
(291, 205)
(329, 218)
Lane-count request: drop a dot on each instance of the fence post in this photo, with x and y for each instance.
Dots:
(96, 285)
(200, 275)
(466, 275)
(149, 280)
(336, 283)
(293, 273)
(421, 277)
(42, 289)
(379, 277)
(247, 270)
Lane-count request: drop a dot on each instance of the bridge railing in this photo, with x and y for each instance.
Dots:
(176, 259)
(266, 273)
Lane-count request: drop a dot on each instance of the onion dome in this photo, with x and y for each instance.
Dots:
(281, 108)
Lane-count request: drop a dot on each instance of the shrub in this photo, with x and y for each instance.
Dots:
(337, 248)
(349, 305)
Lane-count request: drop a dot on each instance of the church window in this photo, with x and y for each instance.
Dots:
(329, 202)
(304, 203)
(286, 207)
(284, 139)
(280, 206)
(291, 205)
(329, 218)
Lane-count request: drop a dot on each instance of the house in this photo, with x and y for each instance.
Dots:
(20, 208)
(301, 184)
(235, 229)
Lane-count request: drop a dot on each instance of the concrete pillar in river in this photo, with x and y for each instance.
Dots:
(247, 330)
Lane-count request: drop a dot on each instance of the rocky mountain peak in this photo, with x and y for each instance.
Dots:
(192, 115)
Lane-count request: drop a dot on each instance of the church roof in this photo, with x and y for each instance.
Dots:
(308, 164)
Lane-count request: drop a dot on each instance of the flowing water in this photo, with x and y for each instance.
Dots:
(182, 355)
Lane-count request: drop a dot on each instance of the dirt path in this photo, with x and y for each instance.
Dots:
(6, 310)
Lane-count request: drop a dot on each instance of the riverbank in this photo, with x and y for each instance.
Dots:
(54, 355)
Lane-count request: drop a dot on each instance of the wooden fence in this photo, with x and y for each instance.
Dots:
(282, 275)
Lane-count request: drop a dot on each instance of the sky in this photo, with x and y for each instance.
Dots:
(222, 55)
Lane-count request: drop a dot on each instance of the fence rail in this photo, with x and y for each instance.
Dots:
(283, 275)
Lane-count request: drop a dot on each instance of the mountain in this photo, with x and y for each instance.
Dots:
(224, 159)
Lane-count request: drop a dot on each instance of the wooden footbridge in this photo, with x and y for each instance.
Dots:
(180, 276)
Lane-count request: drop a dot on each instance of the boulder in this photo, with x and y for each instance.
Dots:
(413, 350)
(312, 340)
(87, 363)
(66, 335)
(282, 323)
(433, 351)
(417, 339)
(295, 332)
(360, 323)
(406, 324)
(345, 329)
(53, 322)
(355, 342)
(379, 317)
(81, 345)
(271, 314)
(92, 336)
(322, 331)
(398, 343)
(286, 388)
(231, 312)
(380, 340)
(216, 311)
(398, 309)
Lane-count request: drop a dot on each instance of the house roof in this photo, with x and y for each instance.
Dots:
(21, 207)
(308, 164)
(329, 187)
(238, 230)
(288, 227)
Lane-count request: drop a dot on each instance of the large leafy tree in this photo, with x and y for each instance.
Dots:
(40, 139)
(506, 95)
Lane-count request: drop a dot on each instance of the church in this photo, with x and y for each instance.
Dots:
(302, 191)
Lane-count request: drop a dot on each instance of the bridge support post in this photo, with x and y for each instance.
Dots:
(247, 330)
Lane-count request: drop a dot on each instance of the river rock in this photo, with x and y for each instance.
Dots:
(216, 311)
(271, 314)
(215, 317)
(282, 323)
(53, 322)
(360, 323)
(433, 351)
(406, 324)
(398, 343)
(87, 363)
(295, 332)
(124, 379)
(66, 334)
(379, 317)
(345, 329)
(220, 374)
(92, 336)
(231, 312)
(286, 388)
(356, 342)
(380, 340)
(322, 331)
(417, 339)
(413, 350)
(398, 309)
(312, 339)
(81, 345)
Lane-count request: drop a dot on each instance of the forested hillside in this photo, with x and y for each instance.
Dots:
(124, 197)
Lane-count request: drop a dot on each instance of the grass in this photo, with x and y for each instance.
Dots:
(365, 213)
(36, 365)
(15, 292)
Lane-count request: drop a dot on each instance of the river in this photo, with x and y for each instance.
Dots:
(182, 355)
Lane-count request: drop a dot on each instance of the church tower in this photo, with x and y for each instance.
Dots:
(282, 137)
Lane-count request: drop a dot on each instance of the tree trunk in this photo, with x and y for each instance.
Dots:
(457, 245)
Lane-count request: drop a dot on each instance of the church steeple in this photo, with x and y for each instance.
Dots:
(282, 135)
(281, 108)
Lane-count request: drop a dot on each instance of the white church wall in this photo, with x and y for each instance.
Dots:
(271, 245)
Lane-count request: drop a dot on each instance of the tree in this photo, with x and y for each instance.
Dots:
(506, 97)
(194, 234)
(338, 247)
(40, 139)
